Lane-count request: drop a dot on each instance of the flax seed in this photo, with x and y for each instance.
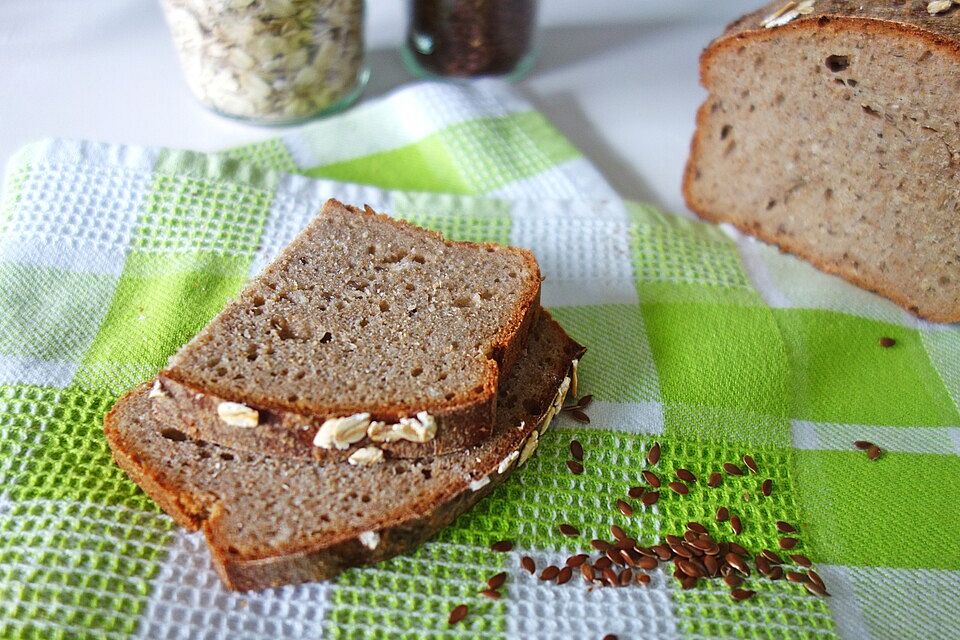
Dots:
(767, 487)
(863, 445)
(737, 563)
(579, 416)
(650, 498)
(763, 565)
(625, 577)
(689, 568)
(528, 564)
(788, 543)
(587, 572)
(715, 479)
(653, 456)
(611, 636)
(663, 552)
(732, 469)
(643, 578)
(679, 487)
(688, 582)
(771, 556)
(711, 565)
(624, 508)
(696, 527)
(874, 452)
(568, 530)
(459, 613)
(815, 589)
(496, 581)
(575, 467)
(648, 563)
(673, 540)
(577, 560)
(502, 546)
(576, 450)
(815, 578)
(795, 576)
(615, 557)
(733, 580)
(737, 549)
(550, 573)
(493, 594)
(690, 536)
(636, 492)
(736, 524)
(601, 545)
(610, 576)
(652, 479)
(776, 573)
(742, 594)
(801, 560)
(564, 576)
(785, 527)
(617, 532)
(685, 475)
(751, 463)
(723, 514)
(886, 342)
(602, 563)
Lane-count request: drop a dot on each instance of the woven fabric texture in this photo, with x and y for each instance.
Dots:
(701, 340)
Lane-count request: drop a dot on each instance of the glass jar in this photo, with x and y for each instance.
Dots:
(470, 38)
(270, 61)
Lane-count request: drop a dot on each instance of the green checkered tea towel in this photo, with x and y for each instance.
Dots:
(707, 342)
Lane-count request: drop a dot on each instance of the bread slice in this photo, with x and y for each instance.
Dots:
(360, 314)
(273, 521)
(835, 137)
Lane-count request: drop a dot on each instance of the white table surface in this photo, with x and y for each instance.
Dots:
(619, 77)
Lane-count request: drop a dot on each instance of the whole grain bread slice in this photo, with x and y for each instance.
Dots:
(360, 314)
(832, 133)
(272, 521)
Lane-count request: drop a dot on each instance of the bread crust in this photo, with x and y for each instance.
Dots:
(905, 20)
(289, 430)
(325, 555)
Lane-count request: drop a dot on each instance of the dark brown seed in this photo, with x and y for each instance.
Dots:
(564, 576)
(715, 479)
(579, 416)
(502, 546)
(653, 456)
(568, 529)
(646, 551)
(587, 572)
(742, 594)
(682, 551)
(625, 542)
(690, 536)
(737, 563)
(550, 573)
(736, 525)
(602, 563)
(688, 582)
(696, 527)
(733, 580)
(751, 463)
(459, 613)
(767, 487)
(673, 540)
(785, 527)
(763, 565)
(647, 563)
(874, 452)
(650, 498)
(815, 589)
(704, 544)
(643, 578)
(801, 560)
(795, 576)
(737, 549)
(712, 550)
(711, 565)
(585, 401)
(625, 577)
(663, 552)
(775, 573)
(528, 564)
(617, 532)
(679, 487)
(723, 514)
(577, 560)
(815, 578)
(886, 342)
(686, 476)
(576, 450)
(863, 445)
(636, 492)
(624, 507)
(689, 568)
(652, 479)
(732, 469)
(630, 557)
(611, 636)
(610, 576)
(615, 557)
(788, 543)
(772, 557)
(601, 545)
(496, 581)
(493, 594)
(575, 467)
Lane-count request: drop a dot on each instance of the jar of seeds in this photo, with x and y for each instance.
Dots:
(270, 61)
(469, 38)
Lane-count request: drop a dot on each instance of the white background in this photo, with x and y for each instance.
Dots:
(619, 77)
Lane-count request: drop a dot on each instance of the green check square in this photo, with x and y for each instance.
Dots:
(902, 510)
(461, 219)
(840, 373)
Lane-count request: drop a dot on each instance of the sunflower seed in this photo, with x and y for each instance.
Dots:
(502, 546)
(568, 529)
(715, 479)
(651, 478)
(679, 487)
(722, 514)
(550, 573)
(788, 543)
(653, 456)
(496, 581)
(751, 463)
(564, 576)
(528, 564)
(575, 467)
(576, 450)
(624, 507)
(459, 613)
(767, 487)
(736, 525)
(685, 475)
(785, 527)
(742, 594)
(732, 469)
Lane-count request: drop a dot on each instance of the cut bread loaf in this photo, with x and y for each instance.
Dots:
(273, 521)
(833, 134)
(360, 314)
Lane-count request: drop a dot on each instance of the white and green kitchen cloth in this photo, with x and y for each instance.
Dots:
(707, 342)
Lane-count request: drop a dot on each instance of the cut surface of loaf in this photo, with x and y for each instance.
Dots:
(835, 137)
(273, 521)
(360, 314)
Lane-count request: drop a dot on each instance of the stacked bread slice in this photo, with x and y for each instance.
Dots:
(371, 385)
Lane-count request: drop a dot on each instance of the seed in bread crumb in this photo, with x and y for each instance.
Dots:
(236, 414)
(506, 462)
(476, 485)
(529, 446)
(156, 391)
(342, 432)
(369, 539)
(365, 456)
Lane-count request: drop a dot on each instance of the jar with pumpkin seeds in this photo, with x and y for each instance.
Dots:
(270, 61)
